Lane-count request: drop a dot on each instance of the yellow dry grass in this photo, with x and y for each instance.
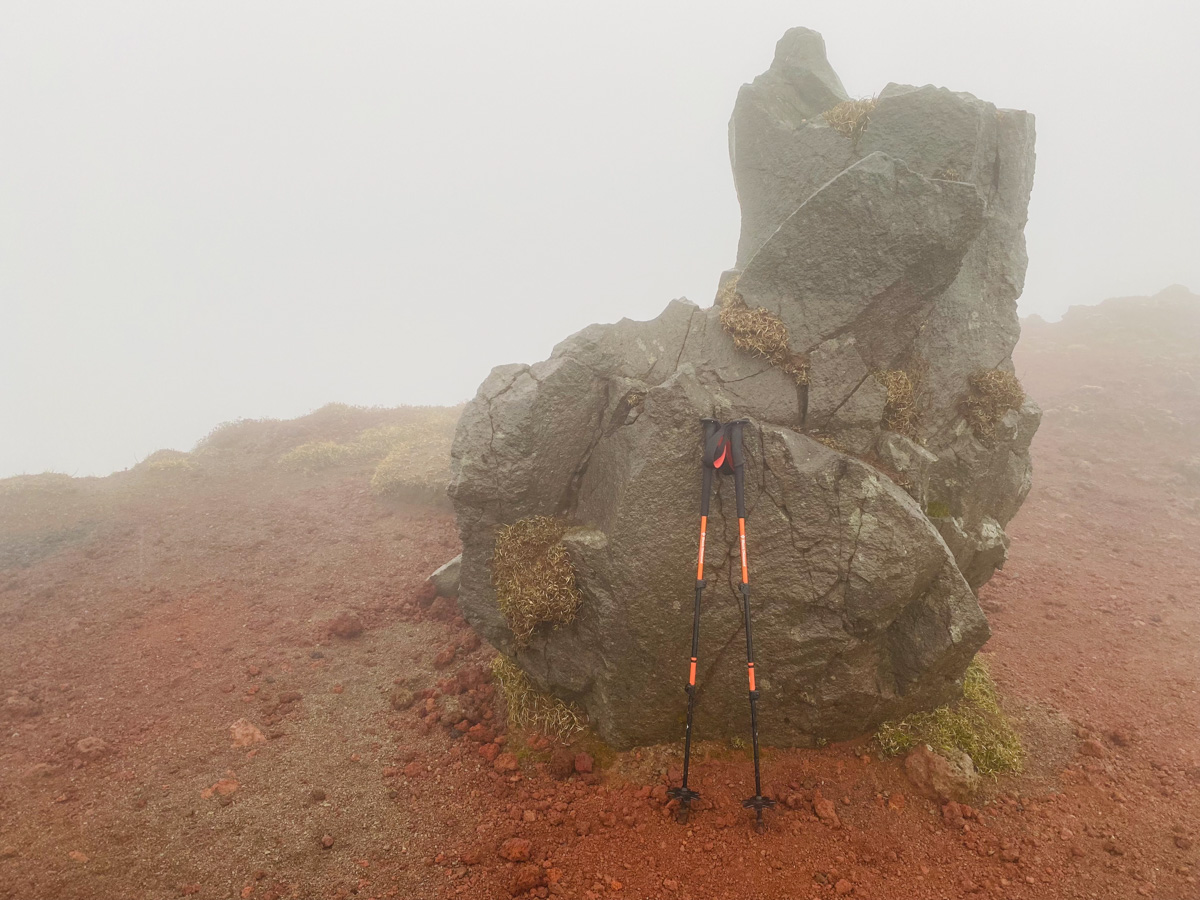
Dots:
(975, 725)
(850, 117)
(762, 333)
(168, 461)
(991, 394)
(900, 411)
(533, 576)
(410, 460)
(43, 483)
(532, 710)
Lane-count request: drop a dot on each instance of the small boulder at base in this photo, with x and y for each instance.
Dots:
(941, 778)
(445, 579)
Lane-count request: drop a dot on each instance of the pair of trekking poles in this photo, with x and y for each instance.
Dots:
(722, 452)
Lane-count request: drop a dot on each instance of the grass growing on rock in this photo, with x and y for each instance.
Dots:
(900, 411)
(991, 394)
(850, 117)
(533, 576)
(975, 725)
(532, 710)
(762, 333)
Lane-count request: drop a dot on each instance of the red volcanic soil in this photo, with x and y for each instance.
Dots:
(228, 681)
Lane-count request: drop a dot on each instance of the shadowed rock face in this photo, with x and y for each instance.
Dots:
(904, 251)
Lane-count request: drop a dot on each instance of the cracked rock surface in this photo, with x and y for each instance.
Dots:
(904, 251)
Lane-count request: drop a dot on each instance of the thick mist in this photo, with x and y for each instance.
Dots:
(212, 211)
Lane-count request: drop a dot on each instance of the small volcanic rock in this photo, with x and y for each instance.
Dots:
(826, 811)
(516, 850)
(223, 788)
(1120, 737)
(583, 763)
(346, 625)
(18, 707)
(244, 733)
(940, 777)
(562, 763)
(843, 887)
(527, 878)
(327, 842)
(506, 762)
(1092, 748)
(402, 698)
(92, 748)
(445, 657)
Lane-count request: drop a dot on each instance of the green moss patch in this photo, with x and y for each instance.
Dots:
(975, 725)
(938, 510)
(533, 576)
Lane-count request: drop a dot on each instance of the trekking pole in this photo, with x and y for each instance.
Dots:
(758, 802)
(712, 440)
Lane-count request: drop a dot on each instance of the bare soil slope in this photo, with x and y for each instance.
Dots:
(143, 615)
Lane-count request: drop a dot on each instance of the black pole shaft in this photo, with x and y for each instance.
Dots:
(711, 429)
(706, 491)
(758, 802)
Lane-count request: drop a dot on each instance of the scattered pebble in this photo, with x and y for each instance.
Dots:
(516, 849)
(244, 733)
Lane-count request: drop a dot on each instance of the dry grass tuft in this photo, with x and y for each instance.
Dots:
(992, 393)
(762, 333)
(316, 455)
(975, 725)
(533, 576)
(43, 483)
(421, 467)
(829, 441)
(169, 461)
(850, 117)
(900, 412)
(532, 710)
(411, 460)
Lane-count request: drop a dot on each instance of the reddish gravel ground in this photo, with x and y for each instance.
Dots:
(143, 615)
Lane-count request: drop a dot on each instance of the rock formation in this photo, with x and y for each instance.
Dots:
(881, 467)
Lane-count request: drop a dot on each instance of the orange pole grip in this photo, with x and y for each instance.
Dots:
(692, 674)
(703, 533)
(745, 568)
(750, 667)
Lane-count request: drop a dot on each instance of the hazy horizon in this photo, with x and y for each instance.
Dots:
(231, 211)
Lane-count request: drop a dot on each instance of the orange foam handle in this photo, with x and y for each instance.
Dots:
(745, 569)
(703, 532)
(750, 667)
(692, 674)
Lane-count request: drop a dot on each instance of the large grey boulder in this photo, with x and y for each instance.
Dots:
(901, 251)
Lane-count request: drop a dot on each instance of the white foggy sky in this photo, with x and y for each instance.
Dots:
(219, 210)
